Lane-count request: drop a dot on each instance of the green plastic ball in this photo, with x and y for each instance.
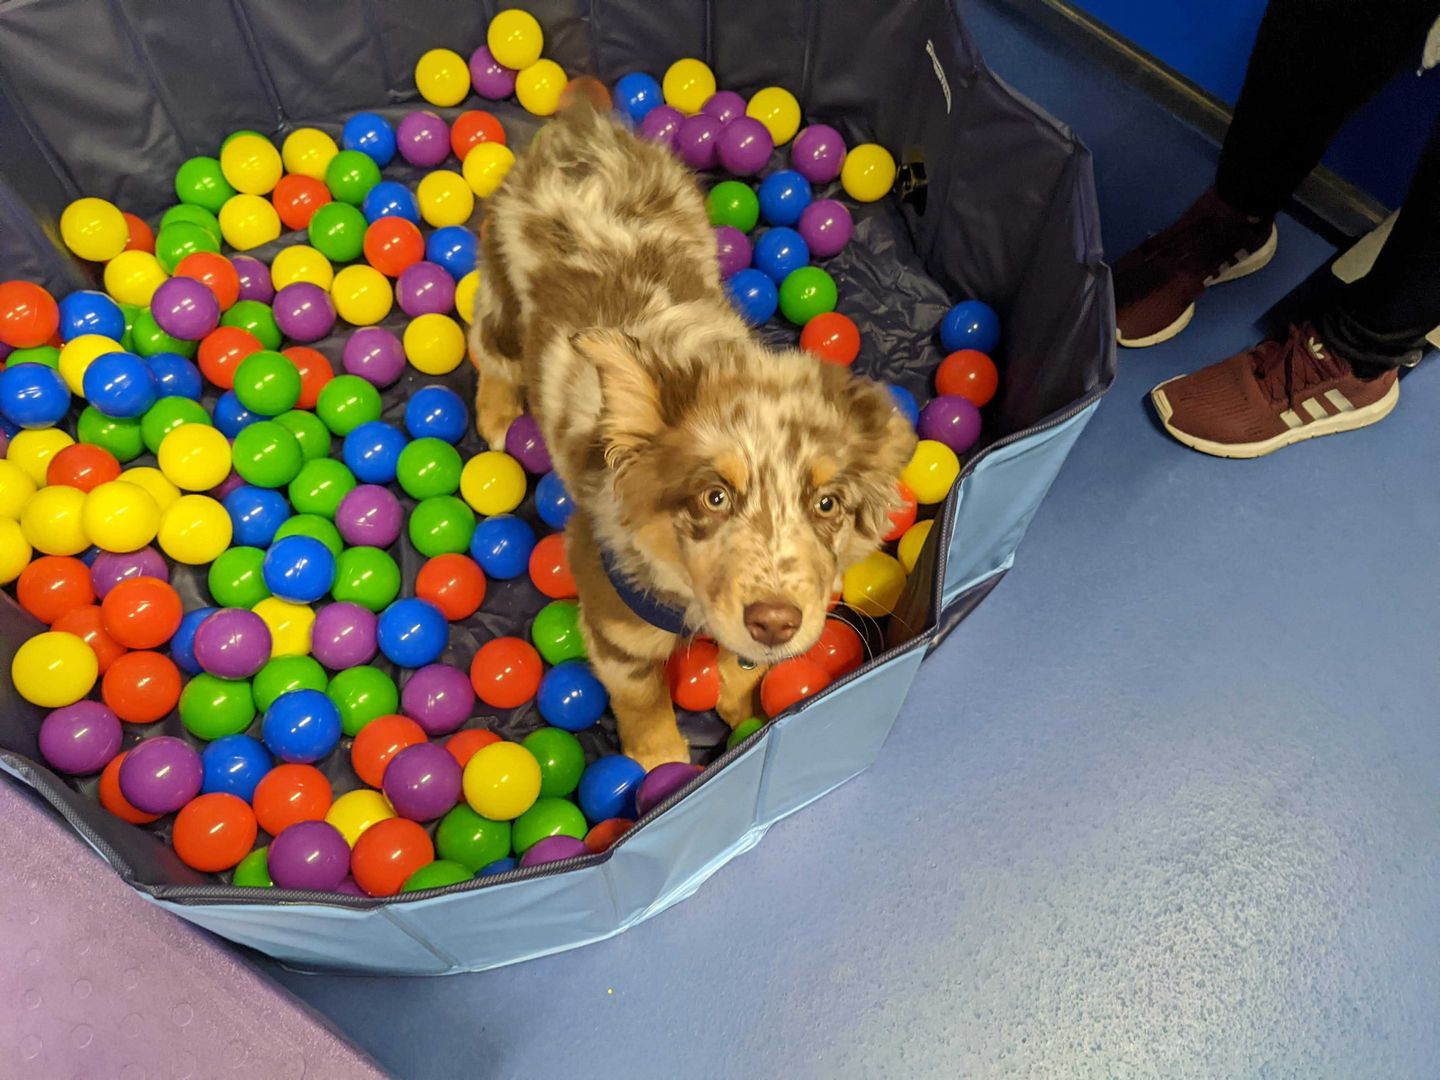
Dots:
(200, 182)
(561, 758)
(315, 527)
(178, 239)
(465, 837)
(309, 431)
(366, 576)
(212, 707)
(284, 674)
(805, 293)
(48, 355)
(266, 454)
(350, 176)
(192, 215)
(148, 339)
(255, 317)
(253, 871)
(130, 311)
(556, 632)
(743, 731)
(337, 231)
(267, 383)
(441, 525)
(362, 694)
(548, 817)
(236, 578)
(347, 401)
(166, 415)
(438, 874)
(122, 437)
(732, 203)
(428, 467)
(320, 485)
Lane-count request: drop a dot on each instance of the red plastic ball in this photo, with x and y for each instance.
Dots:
(693, 672)
(141, 687)
(969, 373)
(315, 372)
(389, 852)
(141, 237)
(379, 741)
(903, 518)
(290, 793)
(29, 315)
(221, 351)
(215, 272)
(392, 244)
(142, 612)
(464, 745)
(453, 583)
(472, 128)
(832, 337)
(790, 681)
(296, 199)
(82, 465)
(54, 585)
(88, 625)
(506, 672)
(550, 568)
(840, 649)
(112, 799)
(605, 833)
(214, 832)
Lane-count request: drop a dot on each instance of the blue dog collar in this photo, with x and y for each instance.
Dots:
(661, 616)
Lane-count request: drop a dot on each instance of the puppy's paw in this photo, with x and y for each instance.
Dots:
(739, 690)
(497, 406)
(655, 752)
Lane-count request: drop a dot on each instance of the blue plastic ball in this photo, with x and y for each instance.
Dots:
(754, 295)
(175, 376)
(778, 253)
(182, 642)
(571, 697)
(300, 569)
(301, 726)
(502, 546)
(783, 196)
(89, 555)
(255, 514)
(371, 134)
(552, 501)
(499, 866)
(390, 198)
(120, 384)
(453, 248)
(234, 764)
(412, 633)
(970, 324)
(636, 94)
(906, 403)
(437, 412)
(608, 787)
(372, 450)
(89, 312)
(33, 396)
(231, 417)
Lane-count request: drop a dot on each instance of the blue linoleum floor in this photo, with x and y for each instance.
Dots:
(1167, 804)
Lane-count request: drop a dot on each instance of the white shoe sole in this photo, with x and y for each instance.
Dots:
(1256, 260)
(1330, 425)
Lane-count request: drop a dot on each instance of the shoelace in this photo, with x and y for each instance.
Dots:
(1286, 368)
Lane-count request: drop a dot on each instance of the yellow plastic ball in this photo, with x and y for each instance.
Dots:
(289, 625)
(94, 229)
(120, 516)
(52, 521)
(15, 550)
(442, 77)
(434, 343)
(515, 38)
(133, 276)
(194, 457)
(502, 781)
(55, 669)
(868, 173)
(16, 487)
(248, 221)
(152, 482)
(777, 109)
(362, 295)
(77, 354)
(195, 529)
(445, 198)
(912, 543)
(301, 262)
(874, 584)
(492, 482)
(465, 290)
(32, 450)
(307, 151)
(931, 472)
(688, 84)
(355, 811)
(485, 166)
(539, 86)
(251, 164)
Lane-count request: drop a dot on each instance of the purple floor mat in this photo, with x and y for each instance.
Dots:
(95, 982)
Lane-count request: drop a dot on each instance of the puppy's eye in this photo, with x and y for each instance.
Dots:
(827, 505)
(716, 500)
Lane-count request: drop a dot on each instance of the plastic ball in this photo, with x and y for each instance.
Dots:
(301, 727)
(490, 78)
(110, 569)
(141, 687)
(912, 543)
(661, 782)
(453, 583)
(423, 139)
(282, 674)
(76, 357)
(903, 517)
(608, 787)
(346, 402)
(873, 586)
(493, 483)
(502, 545)
(556, 632)
(16, 487)
(362, 295)
(366, 576)
(141, 613)
(88, 312)
(372, 451)
(806, 293)
(356, 811)
(49, 355)
(15, 550)
(379, 741)
(114, 801)
(30, 451)
(251, 164)
(818, 153)
(154, 483)
(743, 731)
(194, 457)
(780, 252)
(442, 77)
(141, 237)
(371, 134)
(350, 176)
(319, 486)
(552, 501)
(343, 635)
(932, 471)
(375, 354)
(310, 432)
(695, 141)
(232, 643)
(200, 181)
(94, 229)
(970, 324)
(236, 579)
(120, 517)
(724, 105)
(970, 374)
(195, 529)
(315, 372)
(392, 244)
(53, 521)
(303, 312)
(754, 295)
(538, 88)
(839, 651)
(464, 745)
(571, 697)
(777, 109)
(453, 249)
(390, 198)
(34, 396)
(337, 231)
(905, 403)
(744, 146)
(215, 272)
(370, 515)
(306, 151)
(687, 85)
(826, 227)
(133, 276)
(177, 241)
(485, 166)
(561, 759)
(213, 832)
(388, 853)
(832, 337)
(693, 675)
(122, 440)
(733, 250)
(412, 633)
(436, 412)
(551, 849)
(249, 221)
(255, 318)
(792, 681)
(52, 585)
(636, 94)
(161, 775)
(473, 127)
(267, 455)
(80, 739)
(502, 781)
(253, 871)
(291, 793)
(952, 420)
(422, 782)
(309, 855)
(235, 765)
(547, 817)
(662, 125)
(550, 568)
(267, 382)
(466, 838)
(430, 467)
(222, 351)
(515, 39)
(868, 173)
(603, 835)
(733, 203)
(363, 695)
(174, 377)
(441, 524)
(505, 672)
(425, 289)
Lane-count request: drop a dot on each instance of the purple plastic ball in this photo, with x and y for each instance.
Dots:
(303, 311)
(424, 139)
(110, 568)
(745, 146)
(232, 644)
(661, 782)
(425, 288)
(734, 250)
(161, 775)
(817, 153)
(952, 420)
(375, 354)
(369, 516)
(343, 635)
(439, 698)
(695, 140)
(526, 445)
(553, 849)
(307, 855)
(490, 78)
(826, 227)
(662, 124)
(422, 782)
(254, 278)
(185, 308)
(80, 739)
(226, 486)
(724, 105)
(349, 888)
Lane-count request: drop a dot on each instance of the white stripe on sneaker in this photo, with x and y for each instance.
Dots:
(1291, 420)
(1339, 400)
(1314, 408)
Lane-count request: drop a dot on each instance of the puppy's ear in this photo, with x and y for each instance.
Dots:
(630, 401)
(881, 441)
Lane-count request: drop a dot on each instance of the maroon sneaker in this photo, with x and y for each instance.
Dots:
(1157, 284)
(1272, 395)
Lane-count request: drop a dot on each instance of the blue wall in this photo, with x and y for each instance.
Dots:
(1209, 41)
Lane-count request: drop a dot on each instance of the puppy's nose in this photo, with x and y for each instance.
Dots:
(771, 622)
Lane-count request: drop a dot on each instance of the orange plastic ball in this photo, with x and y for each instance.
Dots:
(693, 672)
(141, 237)
(464, 745)
(453, 583)
(790, 681)
(215, 272)
(29, 315)
(88, 625)
(54, 585)
(214, 832)
(550, 568)
(290, 793)
(831, 337)
(379, 741)
(506, 672)
(392, 244)
(112, 800)
(389, 852)
(903, 518)
(315, 371)
(142, 612)
(840, 649)
(297, 197)
(473, 127)
(221, 351)
(970, 374)
(605, 833)
(584, 86)
(82, 465)
(141, 687)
